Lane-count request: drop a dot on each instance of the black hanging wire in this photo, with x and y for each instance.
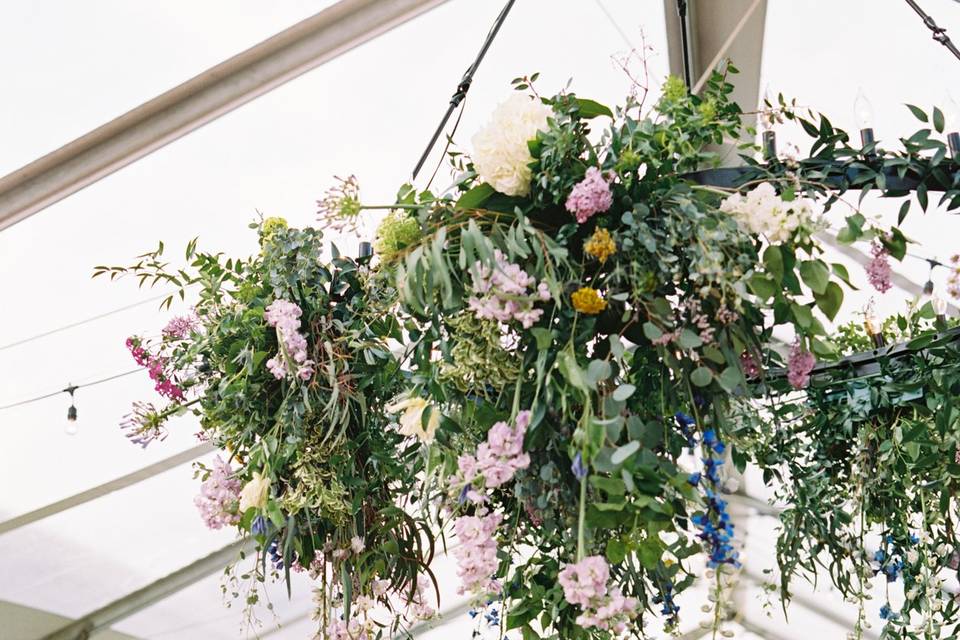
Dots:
(685, 43)
(464, 85)
(70, 389)
(939, 33)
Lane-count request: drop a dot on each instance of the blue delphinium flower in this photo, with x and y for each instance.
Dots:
(694, 478)
(578, 468)
(276, 557)
(716, 530)
(665, 598)
(686, 424)
(888, 614)
(259, 526)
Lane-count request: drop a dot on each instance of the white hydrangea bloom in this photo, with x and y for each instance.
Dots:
(500, 152)
(764, 213)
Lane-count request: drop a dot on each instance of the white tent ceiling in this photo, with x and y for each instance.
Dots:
(369, 112)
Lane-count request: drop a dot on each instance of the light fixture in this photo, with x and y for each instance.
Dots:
(940, 308)
(71, 426)
(951, 120)
(767, 120)
(863, 110)
(872, 324)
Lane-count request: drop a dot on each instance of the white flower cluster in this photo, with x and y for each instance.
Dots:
(764, 213)
(500, 152)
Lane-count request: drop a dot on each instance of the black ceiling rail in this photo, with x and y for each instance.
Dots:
(682, 14)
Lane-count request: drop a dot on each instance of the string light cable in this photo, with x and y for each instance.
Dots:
(70, 389)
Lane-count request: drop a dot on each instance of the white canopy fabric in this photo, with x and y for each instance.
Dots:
(369, 112)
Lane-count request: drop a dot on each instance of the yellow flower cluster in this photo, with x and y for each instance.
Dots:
(600, 245)
(588, 300)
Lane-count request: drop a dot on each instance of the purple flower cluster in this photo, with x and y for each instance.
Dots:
(590, 196)
(156, 366)
(292, 357)
(586, 584)
(879, 271)
(716, 530)
(180, 327)
(503, 292)
(749, 366)
(497, 459)
(219, 496)
(477, 554)
(799, 365)
(143, 424)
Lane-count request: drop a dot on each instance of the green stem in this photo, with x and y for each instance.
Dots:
(582, 522)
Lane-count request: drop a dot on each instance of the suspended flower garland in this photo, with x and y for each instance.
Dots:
(525, 365)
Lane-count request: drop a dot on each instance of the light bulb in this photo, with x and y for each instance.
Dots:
(863, 110)
(873, 326)
(951, 114)
(71, 427)
(939, 306)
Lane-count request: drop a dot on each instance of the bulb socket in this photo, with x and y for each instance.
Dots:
(72, 414)
(770, 146)
(953, 141)
(867, 137)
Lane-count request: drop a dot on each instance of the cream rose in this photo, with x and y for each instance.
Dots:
(255, 492)
(500, 152)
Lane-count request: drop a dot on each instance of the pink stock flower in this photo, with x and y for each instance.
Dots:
(503, 292)
(586, 584)
(590, 196)
(292, 358)
(219, 496)
(477, 554)
(799, 366)
(497, 459)
(879, 271)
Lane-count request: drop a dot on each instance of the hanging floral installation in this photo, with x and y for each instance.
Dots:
(555, 370)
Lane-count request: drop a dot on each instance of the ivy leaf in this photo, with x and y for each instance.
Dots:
(476, 196)
(830, 301)
(544, 337)
(624, 452)
(730, 379)
(651, 331)
(802, 315)
(854, 229)
(623, 392)
(701, 376)
(896, 242)
(616, 551)
(841, 272)
(815, 274)
(762, 286)
(598, 370)
(773, 261)
(689, 340)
